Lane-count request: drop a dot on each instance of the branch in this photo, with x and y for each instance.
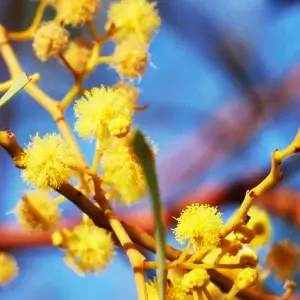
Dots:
(275, 175)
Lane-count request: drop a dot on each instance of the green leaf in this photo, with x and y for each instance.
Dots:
(145, 155)
(16, 87)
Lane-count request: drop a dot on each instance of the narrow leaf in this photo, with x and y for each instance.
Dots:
(16, 87)
(146, 158)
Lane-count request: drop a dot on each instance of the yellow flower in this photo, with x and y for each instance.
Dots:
(89, 249)
(123, 173)
(103, 111)
(194, 279)
(8, 268)
(48, 161)
(49, 40)
(260, 223)
(133, 18)
(77, 12)
(131, 59)
(77, 55)
(200, 225)
(36, 212)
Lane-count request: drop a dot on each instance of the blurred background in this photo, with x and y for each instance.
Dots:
(223, 91)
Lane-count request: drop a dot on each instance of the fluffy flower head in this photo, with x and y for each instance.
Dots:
(77, 55)
(103, 111)
(133, 18)
(36, 212)
(200, 225)
(49, 40)
(131, 59)
(89, 248)
(77, 12)
(123, 173)
(48, 160)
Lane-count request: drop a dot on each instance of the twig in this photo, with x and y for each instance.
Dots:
(273, 177)
(135, 257)
(29, 32)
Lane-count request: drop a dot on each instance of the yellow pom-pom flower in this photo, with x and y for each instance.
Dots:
(48, 161)
(123, 173)
(8, 268)
(89, 249)
(49, 40)
(76, 13)
(36, 212)
(77, 55)
(260, 223)
(133, 18)
(195, 279)
(200, 225)
(131, 59)
(103, 111)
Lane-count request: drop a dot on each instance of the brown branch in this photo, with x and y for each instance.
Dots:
(10, 144)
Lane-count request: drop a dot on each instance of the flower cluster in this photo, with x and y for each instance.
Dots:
(104, 115)
(133, 18)
(134, 22)
(200, 227)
